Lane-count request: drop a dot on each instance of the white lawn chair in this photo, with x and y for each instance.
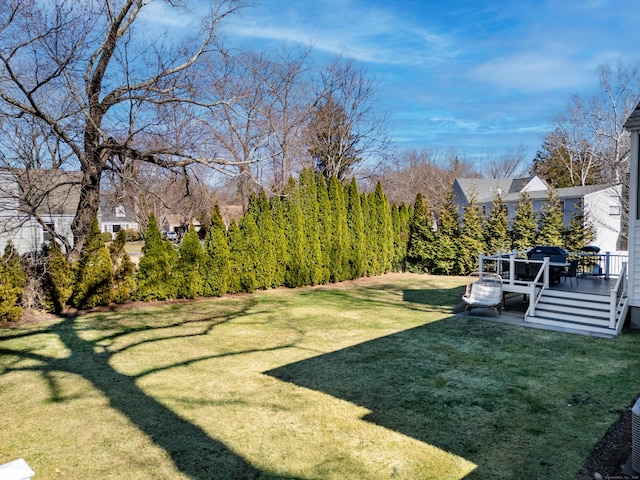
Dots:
(484, 290)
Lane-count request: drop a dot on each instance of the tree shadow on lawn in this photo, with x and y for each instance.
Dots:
(477, 389)
(192, 450)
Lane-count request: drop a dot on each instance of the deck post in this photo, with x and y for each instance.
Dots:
(545, 265)
(613, 307)
(481, 263)
(607, 264)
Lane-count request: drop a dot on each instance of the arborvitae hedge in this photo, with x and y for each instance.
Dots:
(217, 269)
(57, 279)
(471, 240)
(190, 266)
(155, 277)
(421, 242)
(123, 269)
(496, 235)
(356, 245)
(12, 279)
(93, 274)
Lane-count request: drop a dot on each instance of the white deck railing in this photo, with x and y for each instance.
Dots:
(619, 300)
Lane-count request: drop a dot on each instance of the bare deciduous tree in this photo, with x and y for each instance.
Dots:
(105, 89)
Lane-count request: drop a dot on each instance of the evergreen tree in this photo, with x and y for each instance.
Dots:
(246, 253)
(12, 280)
(326, 231)
(93, 272)
(525, 225)
(266, 237)
(355, 222)
(401, 216)
(421, 243)
(155, 277)
(551, 222)
(496, 234)
(123, 269)
(280, 244)
(371, 262)
(57, 279)
(308, 196)
(580, 233)
(234, 240)
(338, 255)
(447, 239)
(189, 266)
(217, 257)
(471, 238)
(296, 239)
(384, 229)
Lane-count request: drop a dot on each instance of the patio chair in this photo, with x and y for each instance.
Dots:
(484, 290)
(571, 272)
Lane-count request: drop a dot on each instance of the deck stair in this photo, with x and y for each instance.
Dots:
(573, 310)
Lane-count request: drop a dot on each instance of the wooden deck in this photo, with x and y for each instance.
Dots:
(588, 285)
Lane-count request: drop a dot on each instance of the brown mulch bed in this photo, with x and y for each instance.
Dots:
(611, 454)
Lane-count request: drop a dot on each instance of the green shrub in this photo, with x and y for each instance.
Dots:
(12, 279)
(93, 274)
(132, 235)
(57, 279)
(106, 237)
(155, 279)
(191, 261)
(123, 269)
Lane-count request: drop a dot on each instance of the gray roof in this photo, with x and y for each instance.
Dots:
(633, 122)
(510, 189)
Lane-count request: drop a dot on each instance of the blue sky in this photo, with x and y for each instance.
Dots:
(481, 76)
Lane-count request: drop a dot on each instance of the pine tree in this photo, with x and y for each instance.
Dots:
(383, 227)
(189, 266)
(421, 242)
(155, 277)
(496, 235)
(580, 233)
(551, 221)
(93, 272)
(12, 280)
(471, 238)
(355, 223)
(525, 225)
(217, 257)
(57, 279)
(447, 238)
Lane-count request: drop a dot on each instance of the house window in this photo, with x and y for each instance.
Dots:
(120, 211)
(46, 236)
(117, 228)
(562, 205)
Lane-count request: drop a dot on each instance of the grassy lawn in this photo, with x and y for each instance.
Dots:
(363, 380)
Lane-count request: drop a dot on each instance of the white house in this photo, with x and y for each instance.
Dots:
(30, 198)
(600, 203)
(633, 126)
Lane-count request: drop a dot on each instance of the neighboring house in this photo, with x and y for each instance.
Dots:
(633, 126)
(29, 198)
(601, 204)
(114, 216)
